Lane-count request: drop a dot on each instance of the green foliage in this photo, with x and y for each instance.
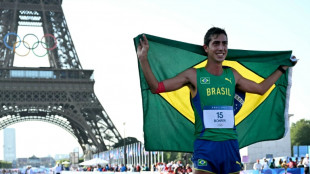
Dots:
(5, 164)
(300, 132)
(177, 156)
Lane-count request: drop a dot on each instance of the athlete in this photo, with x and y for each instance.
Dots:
(212, 90)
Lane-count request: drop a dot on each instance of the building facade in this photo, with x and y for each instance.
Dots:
(266, 149)
(9, 147)
(35, 162)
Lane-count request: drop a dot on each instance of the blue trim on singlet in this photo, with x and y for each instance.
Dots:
(196, 103)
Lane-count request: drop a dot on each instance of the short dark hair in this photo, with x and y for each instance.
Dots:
(211, 32)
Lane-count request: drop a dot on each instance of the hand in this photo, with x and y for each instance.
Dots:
(285, 67)
(143, 48)
(293, 60)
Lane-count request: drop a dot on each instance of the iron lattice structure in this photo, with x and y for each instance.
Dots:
(62, 94)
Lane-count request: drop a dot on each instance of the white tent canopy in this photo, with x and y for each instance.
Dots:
(94, 162)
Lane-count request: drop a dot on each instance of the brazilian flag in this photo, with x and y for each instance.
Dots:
(168, 118)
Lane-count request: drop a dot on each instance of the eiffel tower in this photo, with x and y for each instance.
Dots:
(62, 94)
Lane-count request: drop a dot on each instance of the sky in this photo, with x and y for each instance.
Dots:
(103, 32)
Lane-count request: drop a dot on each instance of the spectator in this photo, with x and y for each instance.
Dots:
(290, 163)
(272, 164)
(188, 169)
(300, 164)
(123, 168)
(110, 168)
(58, 169)
(132, 169)
(138, 168)
(265, 164)
(295, 162)
(306, 164)
(257, 166)
(116, 168)
(280, 164)
(100, 168)
(147, 168)
(106, 168)
(174, 165)
(284, 165)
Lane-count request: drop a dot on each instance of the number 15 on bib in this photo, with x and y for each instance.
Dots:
(218, 117)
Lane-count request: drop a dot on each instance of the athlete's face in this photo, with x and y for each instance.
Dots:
(217, 48)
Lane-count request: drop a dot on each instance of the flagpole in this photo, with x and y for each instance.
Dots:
(158, 159)
(147, 158)
(131, 159)
(124, 151)
(139, 157)
(162, 156)
(141, 150)
(134, 154)
(127, 154)
(151, 166)
(144, 153)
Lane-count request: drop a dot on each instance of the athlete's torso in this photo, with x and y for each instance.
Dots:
(213, 91)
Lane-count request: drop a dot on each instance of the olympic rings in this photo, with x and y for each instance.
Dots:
(14, 47)
(55, 41)
(38, 44)
(5, 38)
(27, 45)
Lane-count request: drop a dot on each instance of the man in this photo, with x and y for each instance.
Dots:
(306, 164)
(29, 170)
(216, 149)
(257, 166)
(265, 164)
(58, 168)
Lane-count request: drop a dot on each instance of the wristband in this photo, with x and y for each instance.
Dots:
(160, 88)
(280, 68)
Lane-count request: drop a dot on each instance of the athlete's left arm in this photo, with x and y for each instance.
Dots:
(246, 85)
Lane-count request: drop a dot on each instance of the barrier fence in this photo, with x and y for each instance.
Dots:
(267, 171)
(134, 153)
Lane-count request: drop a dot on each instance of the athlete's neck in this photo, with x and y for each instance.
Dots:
(214, 68)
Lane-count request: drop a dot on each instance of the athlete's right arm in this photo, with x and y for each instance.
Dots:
(182, 79)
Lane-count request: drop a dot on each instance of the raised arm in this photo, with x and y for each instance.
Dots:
(258, 88)
(182, 79)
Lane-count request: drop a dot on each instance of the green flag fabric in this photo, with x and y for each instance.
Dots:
(168, 118)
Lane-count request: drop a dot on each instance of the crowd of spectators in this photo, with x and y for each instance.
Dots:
(171, 167)
(290, 163)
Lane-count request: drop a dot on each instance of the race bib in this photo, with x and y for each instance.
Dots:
(218, 117)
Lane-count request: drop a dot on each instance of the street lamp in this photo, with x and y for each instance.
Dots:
(289, 119)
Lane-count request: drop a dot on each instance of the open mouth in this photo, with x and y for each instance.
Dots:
(220, 54)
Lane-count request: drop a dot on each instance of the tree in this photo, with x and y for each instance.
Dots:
(5, 164)
(300, 132)
(177, 156)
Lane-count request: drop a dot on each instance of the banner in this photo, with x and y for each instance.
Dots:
(168, 118)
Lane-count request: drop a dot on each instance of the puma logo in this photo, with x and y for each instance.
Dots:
(228, 80)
